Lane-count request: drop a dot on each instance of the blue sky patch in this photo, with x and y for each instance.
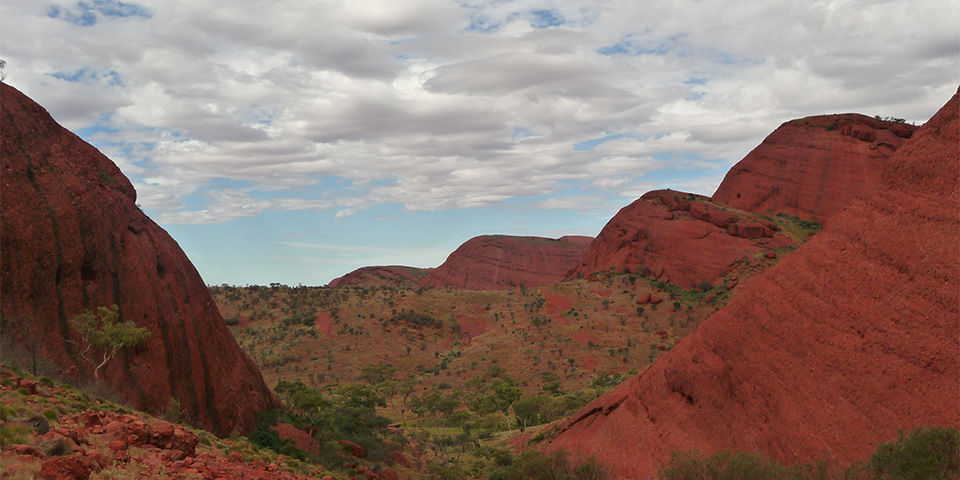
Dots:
(546, 19)
(587, 145)
(632, 45)
(85, 75)
(86, 14)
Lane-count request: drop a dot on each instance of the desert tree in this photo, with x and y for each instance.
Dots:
(103, 331)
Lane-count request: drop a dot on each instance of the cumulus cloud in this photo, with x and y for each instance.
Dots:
(432, 104)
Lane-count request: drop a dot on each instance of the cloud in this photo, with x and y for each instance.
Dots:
(227, 205)
(432, 104)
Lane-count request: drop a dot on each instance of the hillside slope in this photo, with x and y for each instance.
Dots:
(846, 341)
(679, 238)
(812, 167)
(382, 276)
(494, 262)
(73, 239)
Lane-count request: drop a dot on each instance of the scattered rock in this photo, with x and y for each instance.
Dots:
(168, 436)
(353, 448)
(73, 467)
(23, 449)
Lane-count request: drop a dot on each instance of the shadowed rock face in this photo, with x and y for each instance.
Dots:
(680, 237)
(74, 239)
(494, 262)
(387, 276)
(812, 167)
(846, 341)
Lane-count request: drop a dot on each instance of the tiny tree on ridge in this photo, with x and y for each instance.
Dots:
(103, 330)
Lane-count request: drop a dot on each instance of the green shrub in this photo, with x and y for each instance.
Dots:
(56, 447)
(720, 466)
(51, 414)
(13, 435)
(533, 465)
(923, 454)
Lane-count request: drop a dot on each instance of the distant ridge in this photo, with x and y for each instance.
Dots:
(495, 262)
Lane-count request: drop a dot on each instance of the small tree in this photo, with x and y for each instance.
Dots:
(103, 330)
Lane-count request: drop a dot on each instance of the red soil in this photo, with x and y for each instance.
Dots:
(471, 326)
(804, 169)
(845, 342)
(74, 239)
(680, 237)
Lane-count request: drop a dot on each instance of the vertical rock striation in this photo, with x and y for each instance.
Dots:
(73, 238)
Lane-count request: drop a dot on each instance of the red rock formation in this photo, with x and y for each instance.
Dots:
(389, 276)
(845, 342)
(74, 239)
(680, 237)
(812, 167)
(302, 440)
(494, 262)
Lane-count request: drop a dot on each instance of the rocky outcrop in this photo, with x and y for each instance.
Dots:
(494, 262)
(812, 167)
(387, 276)
(680, 238)
(73, 239)
(845, 342)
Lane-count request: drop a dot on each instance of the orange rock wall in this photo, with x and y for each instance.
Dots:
(845, 342)
(812, 167)
(74, 239)
(494, 262)
(680, 237)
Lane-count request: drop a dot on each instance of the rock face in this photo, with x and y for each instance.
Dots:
(679, 237)
(846, 341)
(74, 239)
(388, 276)
(811, 167)
(494, 262)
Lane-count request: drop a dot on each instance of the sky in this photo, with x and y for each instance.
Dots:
(295, 141)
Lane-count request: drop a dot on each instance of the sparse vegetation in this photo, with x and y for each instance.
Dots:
(923, 454)
(102, 330)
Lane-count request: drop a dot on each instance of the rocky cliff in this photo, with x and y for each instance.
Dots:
(493, 262)
(386, 276)
(73, 238)
(680, 238)
(811, 167)
(846, 341)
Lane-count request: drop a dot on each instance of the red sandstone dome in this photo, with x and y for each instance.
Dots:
(680, 238)
(847, 341)
(385, 276)
(811, 167)
(74, 239)
(493, 262)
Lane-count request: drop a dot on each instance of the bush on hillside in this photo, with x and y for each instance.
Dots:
(923, 454)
